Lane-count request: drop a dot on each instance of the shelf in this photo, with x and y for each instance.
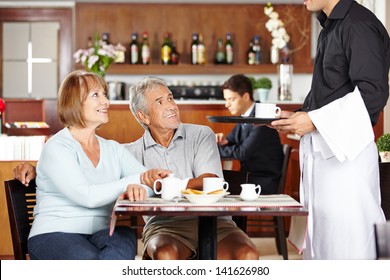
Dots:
(188, 69)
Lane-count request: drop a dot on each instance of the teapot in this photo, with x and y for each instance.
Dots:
(250, 192)
(170, 187)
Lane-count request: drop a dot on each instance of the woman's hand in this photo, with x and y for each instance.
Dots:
(24, 172)
(134, 193)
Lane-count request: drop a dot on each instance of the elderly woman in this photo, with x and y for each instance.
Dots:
(79, 177)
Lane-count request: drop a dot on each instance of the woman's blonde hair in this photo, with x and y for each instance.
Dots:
(72, 93)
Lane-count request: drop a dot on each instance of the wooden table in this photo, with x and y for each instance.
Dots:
(266, 205)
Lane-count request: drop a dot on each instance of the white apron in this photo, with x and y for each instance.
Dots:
(340, 182)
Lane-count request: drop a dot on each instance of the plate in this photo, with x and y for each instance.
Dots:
(204, 198)
(240, 119)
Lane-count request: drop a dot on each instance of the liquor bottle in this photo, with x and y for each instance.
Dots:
(220, 52)
(134, 49)
(145, 49)
(257, 49)
(229, 49)
(201, 51)
(106, 37)
(90, 43)
(166, 50)
(194, 48)
(250, 54)
(175, 56)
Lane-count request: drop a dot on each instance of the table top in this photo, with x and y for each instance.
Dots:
(265, 205)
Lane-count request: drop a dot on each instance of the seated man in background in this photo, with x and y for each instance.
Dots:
(189, 151)
(257, 148)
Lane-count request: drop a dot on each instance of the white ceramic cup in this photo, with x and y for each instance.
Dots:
(267, 110)
(211, 184)
(170, 187)
(250, 192)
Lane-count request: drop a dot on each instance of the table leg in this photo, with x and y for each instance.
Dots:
(207, 237)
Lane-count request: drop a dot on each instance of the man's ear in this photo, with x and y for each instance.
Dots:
(246, 96)
(144, 118)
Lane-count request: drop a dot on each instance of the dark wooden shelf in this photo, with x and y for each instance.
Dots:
(183, 69)
(27, 131)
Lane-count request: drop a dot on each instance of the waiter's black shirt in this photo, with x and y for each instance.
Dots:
(353, 50)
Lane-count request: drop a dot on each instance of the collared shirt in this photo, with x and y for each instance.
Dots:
(249, 111)
(353, 50)
(192, 152)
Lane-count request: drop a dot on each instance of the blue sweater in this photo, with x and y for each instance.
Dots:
(72, 194)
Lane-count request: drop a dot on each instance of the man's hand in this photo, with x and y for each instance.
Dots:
(24, 172)
(134, 193)
(149, 176)
(221, 139)
(298, 123)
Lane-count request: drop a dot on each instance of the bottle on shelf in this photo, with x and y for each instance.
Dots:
(229, 49)
(220, 53)
(201, 51)
(90, 43)
(194, 48)
(106, 37)
(134, 49)
(145, 49)
(257, 49)
(166, 50)
(175, 56)
(250, 54)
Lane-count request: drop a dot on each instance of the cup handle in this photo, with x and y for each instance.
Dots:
(258, 190)
(278, 111)
(225, 186)
(154, 186)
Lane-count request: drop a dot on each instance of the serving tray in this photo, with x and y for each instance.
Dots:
(240, 119)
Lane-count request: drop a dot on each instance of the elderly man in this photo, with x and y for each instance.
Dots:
(191, 153)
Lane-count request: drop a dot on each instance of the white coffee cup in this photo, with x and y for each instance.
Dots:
(267, 110)
(170, 187)
(211, 184)
(250, 192)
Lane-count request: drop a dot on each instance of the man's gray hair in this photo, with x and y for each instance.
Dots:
(137, 94)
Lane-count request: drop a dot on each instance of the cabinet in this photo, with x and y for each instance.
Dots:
(181, 20)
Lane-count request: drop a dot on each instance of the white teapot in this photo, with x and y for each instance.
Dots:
(170, 187)
(250, 192)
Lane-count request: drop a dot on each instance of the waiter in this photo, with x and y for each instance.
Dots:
(338, 155)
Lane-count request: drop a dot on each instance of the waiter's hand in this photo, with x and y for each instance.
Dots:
(298, 123)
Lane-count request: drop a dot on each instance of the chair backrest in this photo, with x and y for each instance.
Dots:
(382, 240)
(282, 181)
(20, 202)
(235, 179)
(384, 172)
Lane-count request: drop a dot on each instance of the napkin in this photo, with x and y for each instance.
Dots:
(344, 127)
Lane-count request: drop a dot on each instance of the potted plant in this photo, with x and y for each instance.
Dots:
(383, 145)
(261, 88)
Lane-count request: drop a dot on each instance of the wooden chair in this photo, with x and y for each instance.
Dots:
(384, 172)
(382, 240)
(20, 201)
(277, 223)
(235, 179)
